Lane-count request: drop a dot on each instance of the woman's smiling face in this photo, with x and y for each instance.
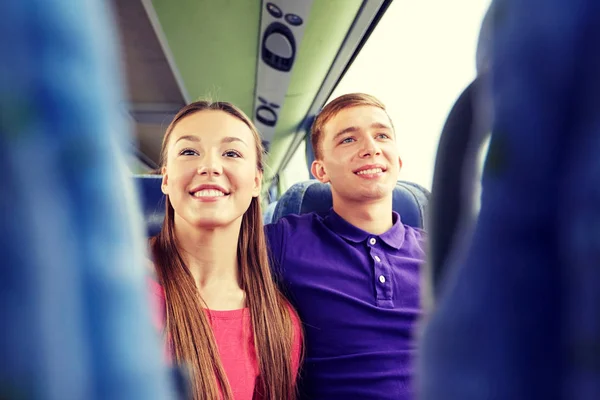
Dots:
(211, 172)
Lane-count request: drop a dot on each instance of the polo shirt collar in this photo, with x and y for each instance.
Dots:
(394, 237)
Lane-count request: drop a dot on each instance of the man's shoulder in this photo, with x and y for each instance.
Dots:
(419, 233)
(415, 239)
(291, 224)
(292, 231)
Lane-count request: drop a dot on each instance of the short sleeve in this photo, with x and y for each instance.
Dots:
(157, 304)
(159, 317)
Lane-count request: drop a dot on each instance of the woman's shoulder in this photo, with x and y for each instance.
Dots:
(157, 298)
(152, 278)
(155, 287)
(295, 318)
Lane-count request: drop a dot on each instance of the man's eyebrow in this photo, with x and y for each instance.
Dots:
(344, 131)
(351, 129)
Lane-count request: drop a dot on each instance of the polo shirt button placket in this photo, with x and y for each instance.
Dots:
(381, 276)
(378, 273)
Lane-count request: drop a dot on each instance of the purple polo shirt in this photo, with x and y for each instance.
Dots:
(358, 297)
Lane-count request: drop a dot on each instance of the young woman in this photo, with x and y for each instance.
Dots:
(223, 315)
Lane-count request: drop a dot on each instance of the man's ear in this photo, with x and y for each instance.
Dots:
(165, 179)
(257, 183)
(400, 162)
(318, 170)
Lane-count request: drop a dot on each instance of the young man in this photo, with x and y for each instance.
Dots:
(353, 274)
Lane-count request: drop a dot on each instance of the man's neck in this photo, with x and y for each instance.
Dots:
(373, 216)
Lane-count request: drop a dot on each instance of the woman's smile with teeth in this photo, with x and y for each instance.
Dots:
(208, 193)
(370, 171)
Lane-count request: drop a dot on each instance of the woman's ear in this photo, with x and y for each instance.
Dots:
(165, 178)
(257, 183)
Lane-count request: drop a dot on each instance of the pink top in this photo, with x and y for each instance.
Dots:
(234, 339)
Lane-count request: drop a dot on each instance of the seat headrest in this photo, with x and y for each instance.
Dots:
(409, 200)
(268, 213)
(152, 201)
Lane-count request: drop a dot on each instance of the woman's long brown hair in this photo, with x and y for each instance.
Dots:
(188, 325)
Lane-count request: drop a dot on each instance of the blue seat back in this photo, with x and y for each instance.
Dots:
(410, 201)
(516, 315)
(152, 200)
(73, 296)
(268, 213)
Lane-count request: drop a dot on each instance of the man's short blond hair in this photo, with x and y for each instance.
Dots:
(332, 109)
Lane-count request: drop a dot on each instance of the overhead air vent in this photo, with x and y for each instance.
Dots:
(274, 10)
(282, 29)
(279, 47)
(266, 113)
(293, 19)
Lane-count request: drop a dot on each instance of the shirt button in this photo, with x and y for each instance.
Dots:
(381, 278)
(372, 241)
(377, 258)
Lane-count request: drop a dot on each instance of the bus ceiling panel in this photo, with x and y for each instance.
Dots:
(149, 138)
(164, 44)
(358, 31)
(281, 32)
(214, 45)
(150, 78)
(154, 113)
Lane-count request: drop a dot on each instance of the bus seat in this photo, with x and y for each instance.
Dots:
(410, 201)
(517, 311)
(268, 213)
(152, 201)
(73, 294)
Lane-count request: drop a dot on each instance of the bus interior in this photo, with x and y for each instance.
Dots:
(89, 91)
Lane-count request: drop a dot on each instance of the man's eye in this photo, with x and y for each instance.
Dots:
(383, 136)
(347, 140)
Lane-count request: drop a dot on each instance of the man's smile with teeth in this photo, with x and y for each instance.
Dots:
(369, 171)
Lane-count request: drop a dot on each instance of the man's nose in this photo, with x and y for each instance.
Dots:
(370, 148)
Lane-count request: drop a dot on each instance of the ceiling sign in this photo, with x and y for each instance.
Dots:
(281, 31)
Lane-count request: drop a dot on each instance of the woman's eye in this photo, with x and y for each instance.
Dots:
(188, 152)
(232, 153)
